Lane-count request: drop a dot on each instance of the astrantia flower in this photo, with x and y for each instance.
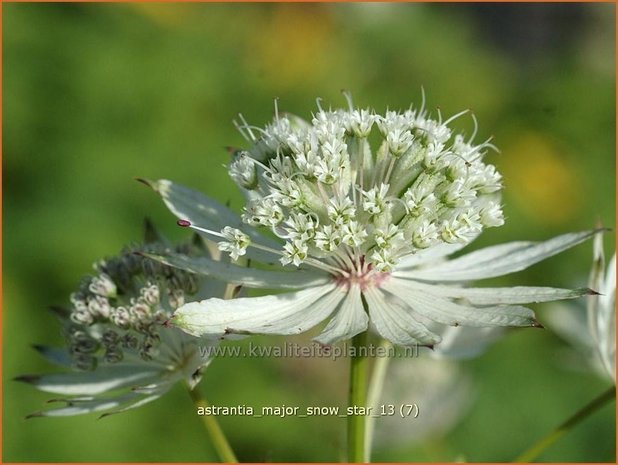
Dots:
(594, 330)
(361, 226)
(120, 354)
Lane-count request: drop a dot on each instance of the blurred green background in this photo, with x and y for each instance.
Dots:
(96, 94)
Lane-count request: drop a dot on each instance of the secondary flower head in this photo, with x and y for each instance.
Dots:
(115, 340)
(593, 332)
(366, 207)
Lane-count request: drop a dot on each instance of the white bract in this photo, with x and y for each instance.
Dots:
(601, 309)
(120, 354)
(363, 229)
(593, 330)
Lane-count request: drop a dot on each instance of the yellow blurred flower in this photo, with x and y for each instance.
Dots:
(168, 15)
(294, 46)
(546, 179)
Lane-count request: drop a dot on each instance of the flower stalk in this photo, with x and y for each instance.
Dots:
(536, 449)
(374, 395)
(358, 399)
(219, 441)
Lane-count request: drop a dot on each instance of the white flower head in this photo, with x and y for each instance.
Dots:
(389, 237)
(118, 351)
(383, 259)
(294, 252)
(491, 215)
(424, 235)
(385, 199)
(243, 171)
(263, 212)
(359, 122)
(236, 242)
(399, 140)
(341, 210)
(328, 238)
(353, 234)
(375, 201)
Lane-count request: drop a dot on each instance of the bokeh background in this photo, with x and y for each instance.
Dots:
(96, 94)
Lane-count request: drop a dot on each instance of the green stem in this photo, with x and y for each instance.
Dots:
(587, 410)
(376, 385)
(357, 398)
(219, 441)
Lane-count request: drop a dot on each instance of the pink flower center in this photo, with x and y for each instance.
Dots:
(366, 276)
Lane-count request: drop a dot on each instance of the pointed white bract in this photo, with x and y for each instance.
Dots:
(499, 260)
(369, 227)
(593, 332)
(349, 320)
(288, 313)
(602, 310)
(119, 353)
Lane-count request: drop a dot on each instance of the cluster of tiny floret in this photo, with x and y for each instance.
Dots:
(119, 311)
(322, 188)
